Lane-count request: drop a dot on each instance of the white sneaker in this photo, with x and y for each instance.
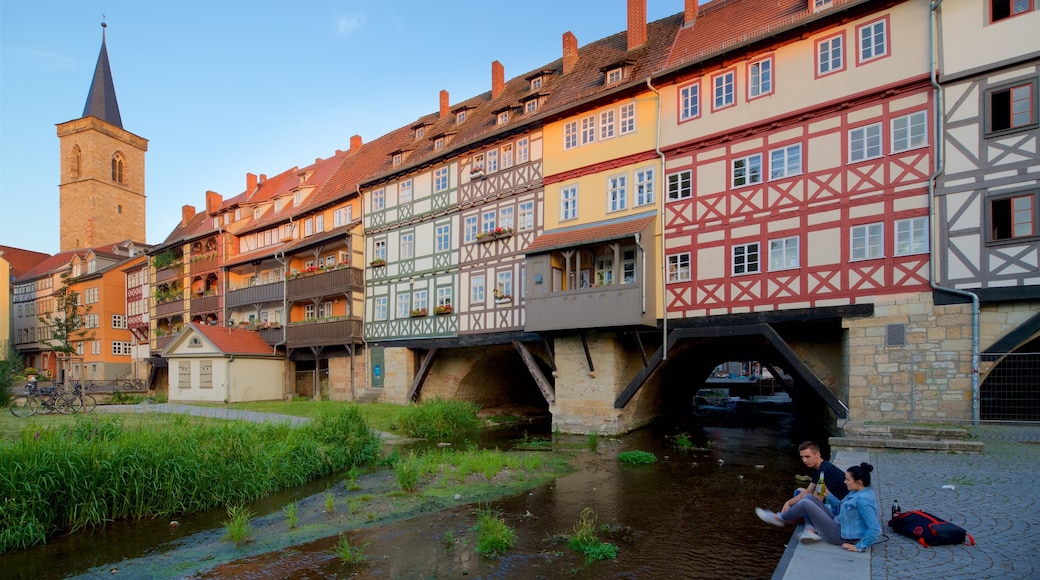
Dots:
(809, 536)
(769, 517)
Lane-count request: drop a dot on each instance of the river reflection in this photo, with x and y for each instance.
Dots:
(690, 515)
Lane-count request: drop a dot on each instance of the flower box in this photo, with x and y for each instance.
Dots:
(377, 263)
(418, 313)
(494, 234)
(443, 309)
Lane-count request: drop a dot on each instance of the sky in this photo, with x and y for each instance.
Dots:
(225, 88)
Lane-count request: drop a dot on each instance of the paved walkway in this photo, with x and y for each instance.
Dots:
(994, 497)
(199, 411)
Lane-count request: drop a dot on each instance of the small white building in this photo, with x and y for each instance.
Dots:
(215, 365)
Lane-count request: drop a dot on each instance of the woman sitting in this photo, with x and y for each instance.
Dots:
(855, 527)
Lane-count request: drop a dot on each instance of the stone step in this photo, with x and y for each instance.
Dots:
(907, 432)
(886, 443)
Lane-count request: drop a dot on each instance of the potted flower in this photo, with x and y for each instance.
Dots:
(30, 374)
(443, 309)
(377, 262)
(502, 297)
(476, 171)
(418, 312)
(494, 234)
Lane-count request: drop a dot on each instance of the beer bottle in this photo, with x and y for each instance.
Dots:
(821, 489)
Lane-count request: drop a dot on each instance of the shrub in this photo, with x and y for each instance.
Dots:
(439, 418)
(637, 457)
(493, 535)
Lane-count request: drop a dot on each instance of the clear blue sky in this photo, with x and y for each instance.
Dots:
(222, 88)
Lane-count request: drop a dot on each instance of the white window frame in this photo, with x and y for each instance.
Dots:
(588, 130)
(569, 203)
(628, 119)
(379, 249)
(911, 236)
(680, 185)
(867, 45)
(784, 253)
(526, 221)
(867, 241)
(504, 284)
(747, 259)
(523, 151)
(617, 192)
(407, 245)
(492, 161)
(469, 228)
(477, 293)
(507, 156)
(830, 54)
(379, 308)
(865, 143)
(747, 170)
(690, 101)
(645, 186)
(420, 300)
(760, 78)
(723, 90)
(404, 305)
(405, 191)
(606, 124)
(442, 237)
(444, 296)
(570, 135)
(440, 180)
(785, 161)
(910, 132)
(679, 268)
(505, 217)
(488, 221)
(378, 200)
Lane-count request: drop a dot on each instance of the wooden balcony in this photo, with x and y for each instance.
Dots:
(258, 294)
(205, 264)
(324, 333)
(205, 304)
(272, 336)
(336, 282)
(175, 272)
(602, 307)
(162, 341)
(169, 308)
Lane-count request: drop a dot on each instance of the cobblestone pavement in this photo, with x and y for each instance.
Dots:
(995, 498)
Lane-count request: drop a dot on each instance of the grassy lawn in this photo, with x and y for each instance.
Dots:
(11, 426)
(380, 416)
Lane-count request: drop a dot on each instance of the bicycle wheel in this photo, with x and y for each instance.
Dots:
(73, 402)
(65, 404)
(24, 406)
(89, 403)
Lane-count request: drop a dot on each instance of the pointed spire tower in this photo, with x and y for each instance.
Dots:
(102, 169)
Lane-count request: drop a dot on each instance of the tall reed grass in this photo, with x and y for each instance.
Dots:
(95, 471)
(439, 418)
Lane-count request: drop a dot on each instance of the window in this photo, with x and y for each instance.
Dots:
(407, 246)
(760, 78)
(1012, 107)
(503, 117)
(487, 221)
(308, 312)
(522, 150)
(536, 83)
(92, 321)
(325, 310)
(419, 132)
(438, 143)
(873, 40)
(90, 295)
(690, 102)
(342, 216)
(297, 199)
(460, 117)
(605, 270)
(570, 135)
(404, 305)
(783, 253)
(617, 193)
(1012, 217)
(118, 321)
(507, 156)
(745, 259)
(505, 218)
(406, 191)
(747, 170)
(785, 161)
(723, 87)
(380, 249)
(444, 296)
(378, 200)
(910, 131)
(1001, 9)
(120, 347)
(319, 223)
(419, 300)
(679, 267)
(606, 125)
(865, 143)
(443, 237)
(476, 289)
(588, 130)
(380, 308)
(95, 347)
(569, 203)
(397, 159)
(912, 236)
(830, 55)
(469, 228)
(440, 180)
(613, 76)
(645, 186)
(492, 160)
(504, 286)
(628, 119)
(117, 168)
(531, 106)
(680, 185)
(526, 215)
(308, 227)
(628, 266)
(867, 241)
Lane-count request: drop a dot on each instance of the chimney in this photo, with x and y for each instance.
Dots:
(187, 212)
(637, 23)
(570, 52)
(213, 201)
(498, 79)
(355, 144)
(263, 178)
(690, 13)
(250, 182)
(444, 104)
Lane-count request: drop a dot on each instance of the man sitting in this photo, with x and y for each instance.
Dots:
(833, 478)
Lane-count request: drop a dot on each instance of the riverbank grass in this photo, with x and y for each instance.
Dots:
(585, 542)
(494, 536)
(238, 528)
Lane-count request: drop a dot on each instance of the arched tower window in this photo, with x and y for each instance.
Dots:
(75, 162)
(117, 168)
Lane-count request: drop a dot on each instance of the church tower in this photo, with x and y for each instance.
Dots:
(102, 170)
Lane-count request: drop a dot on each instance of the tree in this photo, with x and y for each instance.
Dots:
(68, 321)
(10, 365)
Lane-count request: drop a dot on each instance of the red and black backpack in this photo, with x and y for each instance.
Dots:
(929, 530)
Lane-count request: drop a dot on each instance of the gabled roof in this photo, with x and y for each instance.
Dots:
(101, 99)
(237, 341)
(21, 261)
(590, 234)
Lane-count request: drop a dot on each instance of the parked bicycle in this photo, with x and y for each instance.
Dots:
(42, 399)
(83, 401)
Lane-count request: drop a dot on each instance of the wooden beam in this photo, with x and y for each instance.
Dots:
(420, 377)
(588, 355)
(536, 373)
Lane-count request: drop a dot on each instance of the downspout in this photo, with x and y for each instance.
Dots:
(939, 168)
(660, 214)
(280, 257)
(642, 272)
(368, 355)
(227, 379)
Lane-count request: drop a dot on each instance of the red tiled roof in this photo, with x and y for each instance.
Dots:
(235, 340)
(584, 235)
(22, 261)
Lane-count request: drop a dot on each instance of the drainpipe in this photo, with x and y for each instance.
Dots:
(660, 214)
(280, 257)
(642, 271)
(227, 379)
(368, 355)
(939, 168)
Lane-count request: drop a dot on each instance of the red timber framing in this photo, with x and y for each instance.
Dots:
(820, 206)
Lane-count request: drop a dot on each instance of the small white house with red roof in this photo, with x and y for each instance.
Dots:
(215, 364)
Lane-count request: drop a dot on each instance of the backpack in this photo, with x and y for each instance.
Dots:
(928, 530)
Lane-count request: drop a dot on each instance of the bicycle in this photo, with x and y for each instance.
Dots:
(82, 401)
(53, 399)
(131, 385)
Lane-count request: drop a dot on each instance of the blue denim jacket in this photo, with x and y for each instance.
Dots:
(859, 518)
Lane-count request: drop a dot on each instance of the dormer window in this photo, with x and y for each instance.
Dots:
(531, 106)
(460, 117)
(821, 4)
(503, 117)
(256, 213)
(278, 204)
(419, 132)
(238, 214)
(438, 144)
(297, 198)
(397, 159)
(614, 76)
(536, 83)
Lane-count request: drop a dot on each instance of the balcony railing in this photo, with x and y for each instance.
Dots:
(168, 308)
(339, 281)
(603, 306)
(322, 333)
(254, 295)
(205, 303)
(169, 273)
(205, 264)
(272, 336)
(162, 341)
